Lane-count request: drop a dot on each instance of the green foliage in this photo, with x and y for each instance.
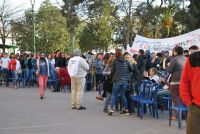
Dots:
(106, 22)
(194, 10)
(98, 32)
(23, 32)
(51, 33)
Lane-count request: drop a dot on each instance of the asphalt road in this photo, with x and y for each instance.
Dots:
(22, 112)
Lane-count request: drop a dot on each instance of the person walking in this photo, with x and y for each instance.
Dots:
(190, 92)
(77, 68)
(42, 73)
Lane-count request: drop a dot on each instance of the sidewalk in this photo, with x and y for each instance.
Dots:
(22, 112)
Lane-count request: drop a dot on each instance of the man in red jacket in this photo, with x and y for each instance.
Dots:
(190, 91)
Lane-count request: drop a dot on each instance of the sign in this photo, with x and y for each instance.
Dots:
(166, 44)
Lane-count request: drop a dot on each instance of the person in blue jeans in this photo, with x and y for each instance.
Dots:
(120, 74)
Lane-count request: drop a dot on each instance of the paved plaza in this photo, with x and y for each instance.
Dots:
(22, 112)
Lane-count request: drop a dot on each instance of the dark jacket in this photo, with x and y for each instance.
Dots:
(156, 63)
(60, 62)
(148, 60)
(107, 85)
(141, 65)
(120, 70)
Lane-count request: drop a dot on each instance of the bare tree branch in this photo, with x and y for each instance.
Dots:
(7, 14)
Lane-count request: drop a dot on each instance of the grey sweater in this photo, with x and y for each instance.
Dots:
(176, 67)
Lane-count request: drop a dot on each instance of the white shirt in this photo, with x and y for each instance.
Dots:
(18, 66)
(155, 78)
(53, 63)
(77, 67)
(5, 62)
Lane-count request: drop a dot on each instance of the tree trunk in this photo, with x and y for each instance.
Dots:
(3, 44)
(127, 42)
(71, 40)
(168, 31)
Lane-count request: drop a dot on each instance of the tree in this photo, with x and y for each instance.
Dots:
(7, 13)
(23, 31)
(51, 30)
(99, 29)
(69, 10)
(51, 33)
(194, 10)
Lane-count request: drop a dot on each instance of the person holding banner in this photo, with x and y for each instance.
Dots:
(77, 68)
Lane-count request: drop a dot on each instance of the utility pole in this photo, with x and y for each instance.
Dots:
(33, 13)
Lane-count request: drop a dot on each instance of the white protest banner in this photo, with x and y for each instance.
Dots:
(166, 44)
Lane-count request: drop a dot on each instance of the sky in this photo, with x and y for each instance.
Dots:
(24, 4)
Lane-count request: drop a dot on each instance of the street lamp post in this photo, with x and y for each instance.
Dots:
(33, 4)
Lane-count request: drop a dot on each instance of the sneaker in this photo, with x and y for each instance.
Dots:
(110, 112)
(125, 112)
(41, 97)
(81, 108)
(73, 107)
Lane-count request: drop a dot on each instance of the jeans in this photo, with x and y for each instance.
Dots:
(15, 77)
(107, 100)
(119, 88)
(129, 101)
(26, 75)
(5, 75)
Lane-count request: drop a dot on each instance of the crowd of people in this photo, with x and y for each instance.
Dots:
(115, 75)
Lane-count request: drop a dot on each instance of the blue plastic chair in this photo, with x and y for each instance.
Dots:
(167, 102)
(150, 99)
(181, 108)
(144, 86)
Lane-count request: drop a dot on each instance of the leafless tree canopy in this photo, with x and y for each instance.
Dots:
(8, 14)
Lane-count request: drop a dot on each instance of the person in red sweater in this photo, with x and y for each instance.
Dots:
(190, 92)
(12, 67)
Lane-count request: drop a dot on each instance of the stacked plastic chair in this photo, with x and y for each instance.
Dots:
(143, 96)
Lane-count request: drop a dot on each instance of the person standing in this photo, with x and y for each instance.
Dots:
(120, 74)
(42, 73)
(190, 92)
(141, 64)
(12, 69)
(77, 68)
(4, 67)
(175, 69)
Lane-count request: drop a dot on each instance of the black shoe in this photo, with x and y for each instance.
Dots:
(41, 97)
(73, 107)
(81, 108)
(125, 112)
(55, 91)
